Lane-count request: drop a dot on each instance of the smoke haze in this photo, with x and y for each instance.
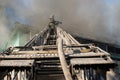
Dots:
(95, 19)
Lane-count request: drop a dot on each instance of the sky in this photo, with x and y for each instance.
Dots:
(94, 19)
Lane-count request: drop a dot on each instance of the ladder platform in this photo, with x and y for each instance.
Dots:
(90, 61)
(16, 63)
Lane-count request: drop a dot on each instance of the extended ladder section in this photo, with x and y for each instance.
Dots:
(53, 51)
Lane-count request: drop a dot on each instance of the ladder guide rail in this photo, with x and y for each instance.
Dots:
(63, 61)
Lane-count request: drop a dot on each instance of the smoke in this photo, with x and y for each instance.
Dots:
(94, 19)
(3, 23)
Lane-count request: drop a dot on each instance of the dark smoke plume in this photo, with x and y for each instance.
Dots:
(94, 19)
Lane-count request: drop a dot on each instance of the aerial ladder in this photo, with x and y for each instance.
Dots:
(54, 51)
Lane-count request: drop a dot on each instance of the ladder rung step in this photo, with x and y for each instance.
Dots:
(49, 72)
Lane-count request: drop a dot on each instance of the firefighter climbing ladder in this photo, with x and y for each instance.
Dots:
(54, 51)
